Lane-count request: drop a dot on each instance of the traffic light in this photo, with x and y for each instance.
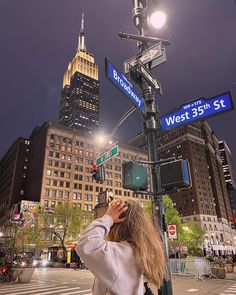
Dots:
(98, 173)
(134, 176)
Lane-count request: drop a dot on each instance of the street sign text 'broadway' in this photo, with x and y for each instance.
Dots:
(124, 85)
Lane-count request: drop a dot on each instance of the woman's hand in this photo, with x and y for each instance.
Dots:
(116, 209)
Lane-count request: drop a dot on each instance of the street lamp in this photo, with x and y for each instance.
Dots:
(157, 19)
(101, 139)
(1, 234)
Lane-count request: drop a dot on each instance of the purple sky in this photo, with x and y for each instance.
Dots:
(39, 38)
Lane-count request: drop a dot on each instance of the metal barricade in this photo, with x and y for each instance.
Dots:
(197, 267)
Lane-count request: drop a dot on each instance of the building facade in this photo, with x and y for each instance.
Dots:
(206, 201)
(79, 102)
(230, 176)
(227, 163)
(13, 174)
(60, 169)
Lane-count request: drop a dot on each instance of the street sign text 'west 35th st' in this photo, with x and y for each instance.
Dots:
(198, 109)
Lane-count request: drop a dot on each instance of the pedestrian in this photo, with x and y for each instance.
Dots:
(123, 249)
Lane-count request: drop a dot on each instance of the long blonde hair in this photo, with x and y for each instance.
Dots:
(140, 233)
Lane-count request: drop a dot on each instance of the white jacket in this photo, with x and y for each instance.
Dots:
(112, 263)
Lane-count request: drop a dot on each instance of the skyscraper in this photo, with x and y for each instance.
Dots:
(13, 172)
(79, 102)
(227, 163)
(229, 174)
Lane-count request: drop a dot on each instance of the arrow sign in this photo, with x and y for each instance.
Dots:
(198, 109)
(122, 83)
(155, 55)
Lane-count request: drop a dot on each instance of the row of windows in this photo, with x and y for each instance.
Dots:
(66, 166)
(69, 141)
(52, 204)
(53, 193)
(210, 227)
(67, 184)
(69, 149)
(66, 195)
(69, 158)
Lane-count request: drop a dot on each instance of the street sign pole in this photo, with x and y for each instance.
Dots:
(152, 130)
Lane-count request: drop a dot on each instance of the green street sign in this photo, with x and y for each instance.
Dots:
(111, 153)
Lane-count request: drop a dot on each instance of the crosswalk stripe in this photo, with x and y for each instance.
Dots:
(79, 292)
(33, 291)
(230, 291)
(63, 289)
(25, 287)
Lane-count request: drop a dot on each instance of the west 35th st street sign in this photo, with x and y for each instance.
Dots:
(198, 109)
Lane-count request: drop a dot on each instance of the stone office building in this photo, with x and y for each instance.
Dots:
(60, 168)
(206, 201)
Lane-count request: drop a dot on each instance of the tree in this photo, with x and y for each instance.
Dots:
(189, 234)
(172, 216)
(66, 223)
(193, 238)
(25, 234)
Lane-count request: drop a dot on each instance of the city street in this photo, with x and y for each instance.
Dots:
(67, 281)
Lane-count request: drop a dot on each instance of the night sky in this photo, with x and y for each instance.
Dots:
(39, 38)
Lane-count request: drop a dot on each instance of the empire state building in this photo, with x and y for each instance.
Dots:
(79, 102)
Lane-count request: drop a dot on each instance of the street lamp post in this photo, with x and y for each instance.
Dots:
(152, 130)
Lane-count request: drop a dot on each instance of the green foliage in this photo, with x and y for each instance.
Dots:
(66, 223)
(24, 237)
(194, 235)
(148, 208)
(190, 234)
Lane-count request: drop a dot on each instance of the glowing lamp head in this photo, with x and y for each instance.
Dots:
(158, 19)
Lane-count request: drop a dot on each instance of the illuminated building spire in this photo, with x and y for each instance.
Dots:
(81, 41)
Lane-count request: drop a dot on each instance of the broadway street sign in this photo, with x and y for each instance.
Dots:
(198, 109)
(120, 81)
(105, 157)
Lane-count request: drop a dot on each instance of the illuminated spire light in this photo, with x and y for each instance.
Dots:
(81, 42)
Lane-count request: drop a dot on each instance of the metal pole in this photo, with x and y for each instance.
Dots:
(151, 129)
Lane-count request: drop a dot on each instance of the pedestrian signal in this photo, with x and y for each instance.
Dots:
(134, 177)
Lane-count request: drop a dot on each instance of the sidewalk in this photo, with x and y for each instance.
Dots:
(185, 285)
(231, 276)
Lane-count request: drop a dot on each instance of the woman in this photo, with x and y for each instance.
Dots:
(121, 248)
